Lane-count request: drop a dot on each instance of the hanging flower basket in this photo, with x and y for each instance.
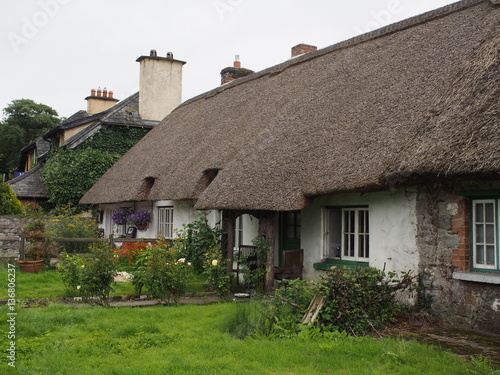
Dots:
(140, 219)
(120, 217)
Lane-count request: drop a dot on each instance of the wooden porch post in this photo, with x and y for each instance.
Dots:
(227, 245)
(266, 230)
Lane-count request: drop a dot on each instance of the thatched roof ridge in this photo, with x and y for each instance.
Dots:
(332, 120)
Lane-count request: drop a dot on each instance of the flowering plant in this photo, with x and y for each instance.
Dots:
(120, 217)
(139, 218)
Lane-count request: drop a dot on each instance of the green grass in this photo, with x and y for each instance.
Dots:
(48, 284)
(191, 339)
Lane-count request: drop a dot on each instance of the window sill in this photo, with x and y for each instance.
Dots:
(478, 277)
(327, 264)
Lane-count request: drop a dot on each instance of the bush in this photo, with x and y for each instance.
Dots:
(282, 315)
(162, 270)
(215, 267)
(90, 276)
(68, 225)
(254, 266)
(196, 238)
(359, 300)
(9, 204)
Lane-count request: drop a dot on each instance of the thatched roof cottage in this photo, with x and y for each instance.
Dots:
(379, 150)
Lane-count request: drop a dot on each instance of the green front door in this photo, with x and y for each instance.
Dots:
(289, 231)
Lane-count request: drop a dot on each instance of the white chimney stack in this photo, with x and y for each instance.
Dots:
(160, 85)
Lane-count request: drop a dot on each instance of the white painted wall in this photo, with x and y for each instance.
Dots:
(392, 229)
(184, 213)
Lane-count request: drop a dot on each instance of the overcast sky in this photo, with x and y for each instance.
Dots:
(56, 51)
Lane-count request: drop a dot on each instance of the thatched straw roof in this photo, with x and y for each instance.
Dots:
(328, 121)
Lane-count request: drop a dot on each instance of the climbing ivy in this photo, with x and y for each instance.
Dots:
(117, 140)
(69, 173)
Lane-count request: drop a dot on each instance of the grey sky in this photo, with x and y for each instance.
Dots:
(55, 51)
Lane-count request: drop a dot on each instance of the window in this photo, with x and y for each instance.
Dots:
(346, 233)
(484, 234)
(166, 221)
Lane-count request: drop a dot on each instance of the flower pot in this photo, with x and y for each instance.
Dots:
(142, 227)
(31, 266)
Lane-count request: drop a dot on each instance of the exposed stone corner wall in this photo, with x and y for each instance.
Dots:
(10, 226)
(443, 239)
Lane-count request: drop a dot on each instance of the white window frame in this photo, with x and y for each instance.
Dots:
(356, 234)
(479, 228)
(166, 221)
(334, 232)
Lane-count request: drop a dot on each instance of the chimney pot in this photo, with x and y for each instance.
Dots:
(99, 91)
(105, 93)
(110, 94)
(92, 92)
(153, 53)
(237, 62)
(170, 55)
(302, 48)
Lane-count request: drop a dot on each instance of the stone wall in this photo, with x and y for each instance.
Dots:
(443, 241)
(10, 226)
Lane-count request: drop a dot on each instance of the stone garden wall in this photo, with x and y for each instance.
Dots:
(10, 227)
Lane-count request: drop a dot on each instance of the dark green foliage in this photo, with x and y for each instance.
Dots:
(25, 120)
(116, 140)
(359, 300)
(197, 237)
(282, 316)
(254, 266)
(91, 276)
(9, 204)
(68, 174)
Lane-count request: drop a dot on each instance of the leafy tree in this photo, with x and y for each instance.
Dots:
(9, 204)
(24, 121)
(69, 173)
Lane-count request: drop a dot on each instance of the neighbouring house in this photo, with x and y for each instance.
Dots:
(380, 150)
(160, 89)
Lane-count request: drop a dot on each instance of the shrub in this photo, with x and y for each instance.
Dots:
(283, 314)
(68, 225)
(196, 238)
(359, 300)
(41, 245)
(162, 270)
(216, 271)
(254, 266)
(9, 204)
(91, 276)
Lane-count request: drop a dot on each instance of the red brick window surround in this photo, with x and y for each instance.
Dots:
(460, 224)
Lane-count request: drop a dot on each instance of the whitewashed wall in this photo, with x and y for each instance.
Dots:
(392, 229)
(184, 213)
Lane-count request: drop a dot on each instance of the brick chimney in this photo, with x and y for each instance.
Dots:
(302, 48)
(160, 85)
(100, 101)
(233, 72)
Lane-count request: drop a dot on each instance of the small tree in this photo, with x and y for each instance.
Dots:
(9, 204)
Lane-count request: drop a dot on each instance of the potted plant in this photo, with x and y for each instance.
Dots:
(40, 247)
(140, 219)
(120, 217)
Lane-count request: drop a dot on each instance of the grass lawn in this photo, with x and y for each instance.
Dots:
(191, 339)
(48, 284)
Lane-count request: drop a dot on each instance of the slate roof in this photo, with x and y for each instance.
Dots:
(344, 118)
(29, 185)
(124, 113)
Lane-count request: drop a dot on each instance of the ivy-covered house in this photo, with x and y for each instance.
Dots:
(63, 163)
(380, 150)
